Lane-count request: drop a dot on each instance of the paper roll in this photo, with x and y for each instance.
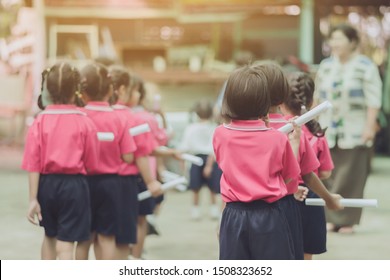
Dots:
(168, 176)
(193, 159)
(306, 117)
(345, 202)
(139, 129)
(168, 185)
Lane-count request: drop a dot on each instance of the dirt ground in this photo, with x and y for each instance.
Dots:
(181, 238)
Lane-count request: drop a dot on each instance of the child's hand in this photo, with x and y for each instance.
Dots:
(295, 135)
(155, 188)
(207, 171)
(177, 155)
(34, 210)
(301, 193)
(334, 202)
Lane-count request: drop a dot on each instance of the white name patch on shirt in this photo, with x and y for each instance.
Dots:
(106, 136)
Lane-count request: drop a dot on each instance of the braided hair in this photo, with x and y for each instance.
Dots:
(59, 85)
(300, 99)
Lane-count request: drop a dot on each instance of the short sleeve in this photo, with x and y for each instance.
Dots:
(91, 147)
(32, 152)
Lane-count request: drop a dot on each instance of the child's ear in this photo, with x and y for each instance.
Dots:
(121, 90)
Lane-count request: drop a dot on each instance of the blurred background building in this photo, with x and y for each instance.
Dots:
(186, 47)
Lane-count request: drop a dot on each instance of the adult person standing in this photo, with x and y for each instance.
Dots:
(352, 83)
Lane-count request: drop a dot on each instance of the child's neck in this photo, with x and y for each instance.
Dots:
(274, 110)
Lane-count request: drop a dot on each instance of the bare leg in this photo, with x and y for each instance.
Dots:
(195, 211)
(48, 249)
(141, 234)
(195, 198)
(308, 257)
(82, 248)
(65, 250)
(123, 251)
(107, 245)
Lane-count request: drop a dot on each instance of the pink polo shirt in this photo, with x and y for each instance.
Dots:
(255, 161)
(159, 134)
(62, 140)
(113, 137)
(144, 142)
(307, 159)
(321, 149)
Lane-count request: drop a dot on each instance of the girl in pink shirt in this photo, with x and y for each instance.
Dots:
(61, 148)
(313, 218)
(306, 158)
(258, 165)
(111, 204)
(135, 103)
(146, 143)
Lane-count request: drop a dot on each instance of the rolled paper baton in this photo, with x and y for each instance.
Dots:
(345, 202)
(306, 117)
(168, 175)
(168, 185)
(193, 159)
(188, 157)
(139, 129)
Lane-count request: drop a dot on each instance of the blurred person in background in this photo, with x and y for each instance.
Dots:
(352, 83)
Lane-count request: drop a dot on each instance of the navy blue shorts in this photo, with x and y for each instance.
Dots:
(159, 199)
(290, 207)
(314, 227)
(65, 206)
(127, 210)
(254, 231)
(146, 206)
(105, 195)
(197, 180)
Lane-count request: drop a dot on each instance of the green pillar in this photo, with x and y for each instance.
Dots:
(306, 31)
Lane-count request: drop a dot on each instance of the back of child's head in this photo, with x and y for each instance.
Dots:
(203, 109)
(139, 84)
(95, 81)
(120, 76)
(246, 95)
(277, 82)
(60, 83)
(300, 99)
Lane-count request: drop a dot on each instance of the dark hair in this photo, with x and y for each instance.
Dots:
(204, 109)
(277, 82)
(120, 76)
(95, 81)
(138, 81)
(246, 95)
(62, 82)
(350, 32)
(300, 99)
